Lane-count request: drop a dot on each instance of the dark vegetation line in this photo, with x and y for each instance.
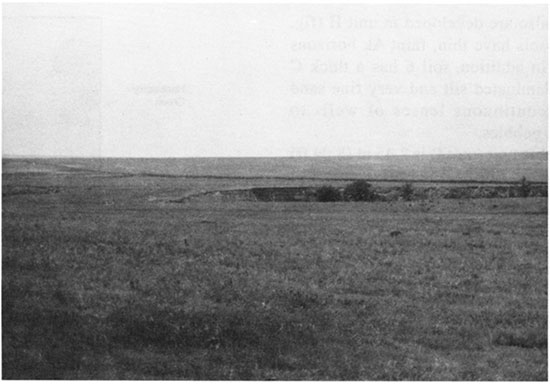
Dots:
(362, 190)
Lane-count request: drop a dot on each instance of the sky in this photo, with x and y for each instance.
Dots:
(186, 80)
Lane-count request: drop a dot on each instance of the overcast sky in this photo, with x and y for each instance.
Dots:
(273, 80)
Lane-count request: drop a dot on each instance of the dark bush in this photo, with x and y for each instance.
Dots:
(407, 191)
(524, 187)
(359, 190)
(328, 193)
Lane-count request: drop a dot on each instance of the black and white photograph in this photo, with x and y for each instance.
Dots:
(274, 191)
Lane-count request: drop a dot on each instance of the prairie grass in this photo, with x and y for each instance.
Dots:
(286, 291)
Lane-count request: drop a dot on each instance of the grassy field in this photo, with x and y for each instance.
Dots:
(103, 279)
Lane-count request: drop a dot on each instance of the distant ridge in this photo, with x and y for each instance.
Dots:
(465, 168)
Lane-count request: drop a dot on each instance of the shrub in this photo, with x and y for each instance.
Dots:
(359, 190)
(407, 191)
(524, 187)
(458, 193)
(328, 193)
